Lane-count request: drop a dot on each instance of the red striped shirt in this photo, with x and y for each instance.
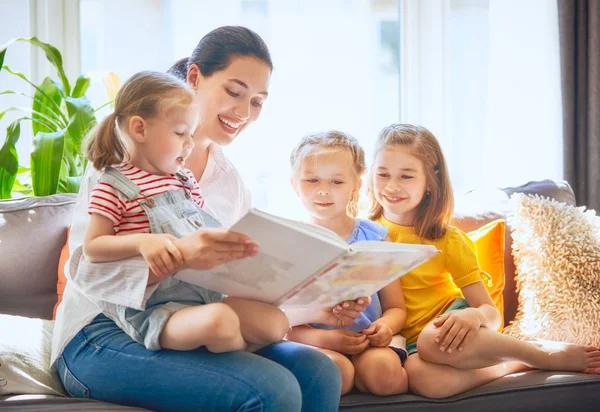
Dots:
(127, 215)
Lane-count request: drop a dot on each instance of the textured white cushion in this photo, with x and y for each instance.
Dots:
(556, 248)
(25, 357)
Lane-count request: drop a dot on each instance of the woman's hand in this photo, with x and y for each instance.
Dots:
(379, 334)
(457, 328)
(343, 341)
(343, 314)
(160, 253)
(207, 248)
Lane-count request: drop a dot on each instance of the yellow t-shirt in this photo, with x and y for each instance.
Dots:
(431, 287)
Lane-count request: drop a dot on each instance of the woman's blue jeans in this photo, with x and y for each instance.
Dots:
(103, 363)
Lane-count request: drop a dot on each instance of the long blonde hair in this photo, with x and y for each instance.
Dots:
(434, 213)
(325, 142)
(145, 94)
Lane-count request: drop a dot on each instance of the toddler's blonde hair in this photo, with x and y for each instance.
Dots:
(327, 142)
(146, 94)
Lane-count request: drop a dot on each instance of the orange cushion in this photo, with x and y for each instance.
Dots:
(62, 280)
(489, 240)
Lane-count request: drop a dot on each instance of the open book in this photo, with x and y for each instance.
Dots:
(306, 265)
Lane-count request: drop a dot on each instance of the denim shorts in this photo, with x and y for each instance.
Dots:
(457, 304)
(145, 326)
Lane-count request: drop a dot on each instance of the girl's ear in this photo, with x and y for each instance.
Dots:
(294, 185)
(137, 129)
(193, 76)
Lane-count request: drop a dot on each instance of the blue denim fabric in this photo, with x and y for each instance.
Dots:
(103, 363)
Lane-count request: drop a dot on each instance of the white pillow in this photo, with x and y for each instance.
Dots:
(556, 248)
(25, 345)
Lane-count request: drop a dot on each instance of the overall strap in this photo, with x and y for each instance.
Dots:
(121, 182)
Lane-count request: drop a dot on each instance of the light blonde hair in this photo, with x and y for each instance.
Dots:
(326, 142)
(434, 213)
(146, 94)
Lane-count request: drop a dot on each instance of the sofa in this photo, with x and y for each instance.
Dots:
(33, 231)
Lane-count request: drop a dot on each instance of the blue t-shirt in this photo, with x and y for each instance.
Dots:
(364, 230)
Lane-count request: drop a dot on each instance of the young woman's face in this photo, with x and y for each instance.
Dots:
(399, 183)
(232, 98)
(326, 183)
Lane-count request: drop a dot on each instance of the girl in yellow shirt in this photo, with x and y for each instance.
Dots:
(451, 319)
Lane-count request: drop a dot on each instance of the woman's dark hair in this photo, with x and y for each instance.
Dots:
(215, 51)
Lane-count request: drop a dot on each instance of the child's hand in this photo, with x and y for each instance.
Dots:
(379, 334)
(345, 313)
(344, 341)
(207, 248)
(457, 329)
(160, 252)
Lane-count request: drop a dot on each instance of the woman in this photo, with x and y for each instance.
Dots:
(230, 70)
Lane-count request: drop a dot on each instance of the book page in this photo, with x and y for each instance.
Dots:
(360, 273)
(281, 265)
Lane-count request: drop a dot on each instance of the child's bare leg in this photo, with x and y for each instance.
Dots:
(215, 326)
(489, 348)
(380, 372)
(433, 380)
(261, 324)
(345, 366)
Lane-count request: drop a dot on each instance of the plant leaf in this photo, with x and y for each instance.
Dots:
(81, 86)
(52, 54)
(82, 119)
(46, 161)
(9, 160)
(47, 91)
(22, 76)
(46, 120)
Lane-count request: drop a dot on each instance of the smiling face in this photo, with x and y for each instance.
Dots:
(326, 183)
(230, 99)
(399, 183)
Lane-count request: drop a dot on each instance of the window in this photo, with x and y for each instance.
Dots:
(490, 95)
(336, 66)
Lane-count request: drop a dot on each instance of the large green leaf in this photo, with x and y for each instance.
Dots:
(38, 90)
(41, 117)
(81, 86)
(46, 98)
(9, 160)
(81, 120)
(52, 54)
(46, 161)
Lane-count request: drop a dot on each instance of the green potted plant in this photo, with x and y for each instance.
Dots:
(60, 116)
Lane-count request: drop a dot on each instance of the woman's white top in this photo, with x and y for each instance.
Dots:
(125, 282)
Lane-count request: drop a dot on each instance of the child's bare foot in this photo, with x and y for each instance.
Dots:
(569, 357)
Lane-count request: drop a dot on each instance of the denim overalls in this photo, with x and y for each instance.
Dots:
(174, 213)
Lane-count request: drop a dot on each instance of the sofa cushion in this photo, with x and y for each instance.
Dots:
(530, 391)
(479, 207)
(25, 345)
(49, 403)
(32, 233)
(489, 240)
(557, 252)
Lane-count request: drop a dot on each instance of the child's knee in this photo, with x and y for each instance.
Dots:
(429, 350)
(279, 325)
(346, 371)
(382, 373)
(222, 322)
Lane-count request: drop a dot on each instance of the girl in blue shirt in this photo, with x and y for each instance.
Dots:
(327, 169)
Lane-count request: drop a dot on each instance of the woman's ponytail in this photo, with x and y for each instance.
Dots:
(180, 69)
